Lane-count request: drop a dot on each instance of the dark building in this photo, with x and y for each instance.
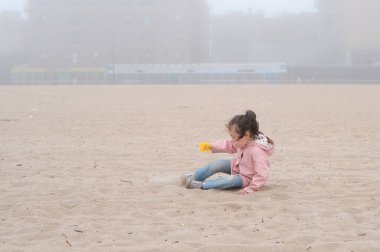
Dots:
(11, 43)
(101, 33)
(245, 37)
(350, 32)
(11, 31)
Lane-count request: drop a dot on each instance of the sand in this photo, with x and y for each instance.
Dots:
(96, 168)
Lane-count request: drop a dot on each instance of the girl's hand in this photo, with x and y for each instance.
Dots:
(205, 147)
(243, 191)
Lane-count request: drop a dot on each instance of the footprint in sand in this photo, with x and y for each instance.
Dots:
(166, 180)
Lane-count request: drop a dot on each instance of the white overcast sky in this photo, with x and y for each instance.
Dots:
(270, 7)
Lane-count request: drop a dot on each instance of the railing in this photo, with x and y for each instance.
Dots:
(199, 82)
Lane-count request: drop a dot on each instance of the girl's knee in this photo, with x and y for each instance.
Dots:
(219, 164)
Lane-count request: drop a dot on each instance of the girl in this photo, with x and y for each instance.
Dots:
(249, 170)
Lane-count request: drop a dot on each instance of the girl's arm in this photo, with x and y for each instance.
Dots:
(223, 146)
(261, 166)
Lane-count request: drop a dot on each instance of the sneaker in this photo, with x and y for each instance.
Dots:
(194, 184)
(186, 177)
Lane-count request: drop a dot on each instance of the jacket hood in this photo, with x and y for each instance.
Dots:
(263, 142)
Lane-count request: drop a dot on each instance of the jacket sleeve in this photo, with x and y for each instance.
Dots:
(223, 146)
(261, 167)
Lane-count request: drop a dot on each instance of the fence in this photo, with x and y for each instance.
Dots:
(277, 73)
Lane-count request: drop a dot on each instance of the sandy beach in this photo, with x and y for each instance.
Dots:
(97, 168)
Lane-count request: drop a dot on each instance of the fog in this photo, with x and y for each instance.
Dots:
(189, 41)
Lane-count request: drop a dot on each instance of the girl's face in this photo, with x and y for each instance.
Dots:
(239, 142)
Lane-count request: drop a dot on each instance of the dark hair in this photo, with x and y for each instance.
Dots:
(245, 123)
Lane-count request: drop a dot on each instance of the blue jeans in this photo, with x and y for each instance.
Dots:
(231, 181)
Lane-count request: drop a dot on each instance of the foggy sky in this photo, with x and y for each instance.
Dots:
(270, 7)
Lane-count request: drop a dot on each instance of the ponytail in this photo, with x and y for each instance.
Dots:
(250, 115)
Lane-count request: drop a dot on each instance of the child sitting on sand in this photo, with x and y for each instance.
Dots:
(249, 170)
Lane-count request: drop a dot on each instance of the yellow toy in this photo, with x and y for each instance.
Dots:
(205, 147)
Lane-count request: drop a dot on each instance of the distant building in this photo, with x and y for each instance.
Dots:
(96, 33)
(11, 31)
(350, 31)
(11, 43)
(245, 37)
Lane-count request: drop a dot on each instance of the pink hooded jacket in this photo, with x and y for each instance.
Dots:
(251, 163)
